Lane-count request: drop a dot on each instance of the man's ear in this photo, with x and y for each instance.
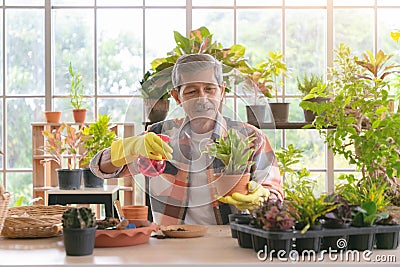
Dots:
(175, 95)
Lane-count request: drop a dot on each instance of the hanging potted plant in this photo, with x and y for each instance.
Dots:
(76, 95)
(96, 137)
(234, 152)
(79, 231)
(62, 146)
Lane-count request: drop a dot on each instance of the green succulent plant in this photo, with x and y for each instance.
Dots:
(80, 217)
(234, 151)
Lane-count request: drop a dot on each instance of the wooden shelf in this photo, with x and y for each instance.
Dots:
(282, 125)
(44, 176)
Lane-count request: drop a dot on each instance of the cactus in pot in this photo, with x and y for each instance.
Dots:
(79, 229)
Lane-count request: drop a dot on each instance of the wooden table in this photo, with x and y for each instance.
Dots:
(105, 195)
(215, 248)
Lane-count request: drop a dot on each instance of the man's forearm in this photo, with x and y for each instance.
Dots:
(105, 164)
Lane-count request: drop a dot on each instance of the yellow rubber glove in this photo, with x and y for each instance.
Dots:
(256, 196)
(148, 145)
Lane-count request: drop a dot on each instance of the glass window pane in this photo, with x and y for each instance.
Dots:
(165, 3)
(388, 2)
(72, 2)
(305, 44)
(120, 50)
(123, 110)
(258, 2)
(73, 34)
(25, 51)
(119, 2)
(160, 36)
(387, 22)
(354, 28)
(257, 32)
(212, 2)
(24, 2)
(219, 22)
(353, 2)
(305, 2)
(20, 113)
(20, 184)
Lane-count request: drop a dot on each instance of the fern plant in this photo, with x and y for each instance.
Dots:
(234, 151)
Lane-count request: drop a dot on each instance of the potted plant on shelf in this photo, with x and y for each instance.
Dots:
(363, 127)
(62, 146)
(79, 231)
(200, 41)
(52, 116)
(307, 84)
(267, 76)
(76, 95)
(96, 137)
(234, 153)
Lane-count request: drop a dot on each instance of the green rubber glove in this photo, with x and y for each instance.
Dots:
(148, 145)
(255, 197)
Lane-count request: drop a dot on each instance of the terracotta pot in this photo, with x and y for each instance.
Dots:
(135, 212)
(52, 116)
(79, 115)
(225, 185)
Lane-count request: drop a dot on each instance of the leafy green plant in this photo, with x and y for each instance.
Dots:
(78, 217)
(273, 215)
(200, 41)
(63, 143)
(306, 83)
(96, 137)
(304, 205)
(76, 88)
(364, 130)
(341, 215)
(287, 157)
(368, 215)
(233, 150)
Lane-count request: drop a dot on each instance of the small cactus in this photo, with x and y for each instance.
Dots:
(80, 217)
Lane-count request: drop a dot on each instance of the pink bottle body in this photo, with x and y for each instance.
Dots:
(152, 167)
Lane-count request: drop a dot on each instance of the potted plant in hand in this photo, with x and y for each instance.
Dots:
(79, 231)
(76, 95)
(233, 154)
(96, 137)
(62, 146)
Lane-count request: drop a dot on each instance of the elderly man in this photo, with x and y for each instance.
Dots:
(181, 194)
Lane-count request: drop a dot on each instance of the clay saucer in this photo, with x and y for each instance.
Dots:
(184, 230)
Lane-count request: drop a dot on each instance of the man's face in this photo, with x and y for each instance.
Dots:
(200, 100)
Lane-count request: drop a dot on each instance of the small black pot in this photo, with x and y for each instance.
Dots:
(69, 179)
(387, 240)
(90, 180)
(79, 242)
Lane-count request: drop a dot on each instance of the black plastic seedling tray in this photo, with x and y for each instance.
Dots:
(354, 238)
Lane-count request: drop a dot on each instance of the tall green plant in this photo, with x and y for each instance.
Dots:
(363, 130)
(76, 88)
(97, 137)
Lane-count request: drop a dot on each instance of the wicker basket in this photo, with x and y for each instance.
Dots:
(4, 201)
(33, 221)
